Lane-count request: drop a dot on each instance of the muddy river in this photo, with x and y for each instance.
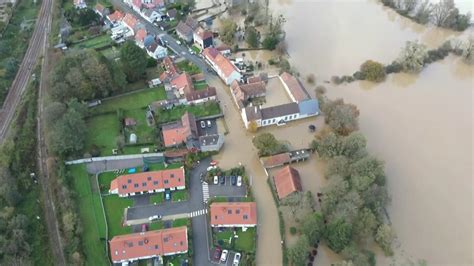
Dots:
(421, 125)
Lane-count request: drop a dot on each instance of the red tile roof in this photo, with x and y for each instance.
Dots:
(294, 86)
(149, 244)
(200, 94)
(170, 66)
(177, 133)
(130, 20)
(183, 82)
(276, 160)
(233, 213)
(137, 3)
(203, 34)
(140, 35)
(116, 16)
(244, 92)
(220, 61)
(287, 181)
(146, 181)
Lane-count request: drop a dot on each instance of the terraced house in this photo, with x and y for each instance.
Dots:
(148, 182)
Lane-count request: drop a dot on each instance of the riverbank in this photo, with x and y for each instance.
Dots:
(405, 115)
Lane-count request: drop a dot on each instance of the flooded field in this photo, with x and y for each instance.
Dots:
(421, 125)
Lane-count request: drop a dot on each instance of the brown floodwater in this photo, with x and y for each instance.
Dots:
(421, 125)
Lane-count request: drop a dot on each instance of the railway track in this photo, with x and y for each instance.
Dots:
(35, 48)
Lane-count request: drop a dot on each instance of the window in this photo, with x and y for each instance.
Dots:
(181, 243)
(156, 246)
(172, 175)
(144, 184)
(165, 239)
(124, 186)
(237, 211)
(135, 185)
(140, 243)
(229, 211)
(129, 181)
(166, 181)
(215, 217)
(130, 244)
(179, 179)
(245, 217)
(155, 182)
(148, 178)
(273, 121)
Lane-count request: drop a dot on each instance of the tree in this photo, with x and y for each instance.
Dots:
(298, 253)
(299, 205)
(413, 56)
(423, 13)
(354, 146)
(313, 227)
(357, 256)
(385, 237)
(267, 145)
(365, 224)
(373, 71)
(68, 135)
(371, 167)
(228, 30)
(338, 234)
(341, 117)
(332, 193)
(133, 60)
(338, 166)
(443, 13)
(253, 127)
(11, 66)
(327, 144)
(376, 198)
(53, 112)
(251, 37)
(468, 51)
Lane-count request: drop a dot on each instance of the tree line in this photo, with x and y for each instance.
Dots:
(443, 14)
(352, 213)
(412, 59)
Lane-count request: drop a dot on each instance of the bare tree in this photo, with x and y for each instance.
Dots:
(424, 12)
(442, 12)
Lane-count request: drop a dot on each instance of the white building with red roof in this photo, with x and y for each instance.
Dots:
(140, 37)
(227, 71)
(115, 18)
(80, 4)
(148, 182)
(150, 244)
(233, 214)
(131, 22)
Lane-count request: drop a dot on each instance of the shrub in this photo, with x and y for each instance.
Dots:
(394, 67)
(293, 230)
(372, 71)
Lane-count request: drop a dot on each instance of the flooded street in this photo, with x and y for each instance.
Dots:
(421, 125)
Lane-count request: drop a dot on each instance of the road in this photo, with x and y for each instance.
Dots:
(35, 48)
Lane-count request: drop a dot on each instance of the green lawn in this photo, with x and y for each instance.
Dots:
(189, 67)
(246, 240)
(223, 238)
(95, 42)
(104, 181)
(91, 215)
(157, 198)
(201, 85)
(102, 132)
(114, 210)
(206, 109)
(145, 133)
(111, 53)
(132, 101)
(179, 195)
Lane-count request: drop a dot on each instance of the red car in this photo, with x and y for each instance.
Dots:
(216, 256)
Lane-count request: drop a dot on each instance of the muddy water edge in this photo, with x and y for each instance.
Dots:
(420, 125)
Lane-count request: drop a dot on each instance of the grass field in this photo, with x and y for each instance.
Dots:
(145, 133)
(102, 132)
(206, 109)
(132, 101)
(200, 85)
(90, 212)
(114, 210)
(189, 67)
(95, 42)
(246, 240)
(111, 53)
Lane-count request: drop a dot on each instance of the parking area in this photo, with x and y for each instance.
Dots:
(226, 188)
(216, 255)
(207, 127)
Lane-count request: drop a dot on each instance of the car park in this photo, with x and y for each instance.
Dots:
(224, 256)
(239, 181)
(216, 180)
(217, 254)
(236, 259)
(222, 179)
(203, 124)
(233, 180)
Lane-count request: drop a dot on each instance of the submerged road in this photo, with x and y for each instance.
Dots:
(35, 48)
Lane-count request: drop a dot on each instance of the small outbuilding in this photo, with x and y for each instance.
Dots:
(133, 138)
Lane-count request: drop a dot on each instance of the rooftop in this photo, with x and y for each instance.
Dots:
(276, 160)
(294, 86)
(287, 181)
(233, 213)
(146, 181)
(222, 62)
(280, 110)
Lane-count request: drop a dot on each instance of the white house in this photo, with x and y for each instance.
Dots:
(222, 65)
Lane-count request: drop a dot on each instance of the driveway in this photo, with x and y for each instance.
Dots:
(207, 130)
(227, 190)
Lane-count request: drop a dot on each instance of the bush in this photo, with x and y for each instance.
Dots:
(394, 67)
(293, 230)
(151, 62)
(372, 71)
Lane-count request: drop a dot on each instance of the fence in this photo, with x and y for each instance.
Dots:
(113, 158)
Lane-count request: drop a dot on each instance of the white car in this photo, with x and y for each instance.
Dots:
(209, 124)
(236, 259)
(224, 255)
(239, 182)
(154, 217)
(203, 124)
(216, 180)
(211, 167)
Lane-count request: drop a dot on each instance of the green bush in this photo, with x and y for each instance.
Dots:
(293, 230)
(372, 71)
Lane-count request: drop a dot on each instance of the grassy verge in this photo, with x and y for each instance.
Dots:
(96, 42)
(92, 217)
(206, 109)
(102, 133)
(114, 210)
(237, 240)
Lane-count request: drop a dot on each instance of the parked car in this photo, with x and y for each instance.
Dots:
(217, 254)
(236, 259)
(178, 42)
(211, 167)
(239, 181)
(216, 180)
(167, 195)
(222, 179)
(233, 180)
(203, 124)
(224, 255)
(209, 124)
(154, 217)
